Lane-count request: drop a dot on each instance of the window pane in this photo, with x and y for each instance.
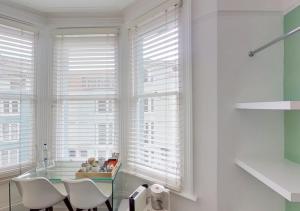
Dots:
(17, 98)
(155, 145)
(86, 79)
(15, 107)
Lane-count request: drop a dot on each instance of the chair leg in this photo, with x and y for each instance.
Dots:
(68, 204)
(78, 209)
(95, 209)
(34, 209)
(49, 209)
(108, 205)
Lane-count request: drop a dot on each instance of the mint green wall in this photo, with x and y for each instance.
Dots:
(292, 92)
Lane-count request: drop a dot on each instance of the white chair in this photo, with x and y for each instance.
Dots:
(84, 194)
(39, 193)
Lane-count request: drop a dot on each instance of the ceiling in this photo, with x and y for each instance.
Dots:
(70, 6)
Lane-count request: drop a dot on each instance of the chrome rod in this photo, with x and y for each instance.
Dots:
(253, 52)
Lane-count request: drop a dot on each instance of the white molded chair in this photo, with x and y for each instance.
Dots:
(84, 194)
(39, 193)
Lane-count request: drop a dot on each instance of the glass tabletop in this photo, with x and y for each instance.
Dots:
(61, 171)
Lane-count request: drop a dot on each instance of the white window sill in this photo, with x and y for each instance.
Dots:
(190, 196)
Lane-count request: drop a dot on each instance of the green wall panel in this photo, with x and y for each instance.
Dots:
(292, 92)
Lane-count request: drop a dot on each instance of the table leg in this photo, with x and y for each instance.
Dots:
(68, 204)
(112, 197)
(9, 195)
(109, 206)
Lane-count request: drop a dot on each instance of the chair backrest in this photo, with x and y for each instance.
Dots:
(84, 193)
(38, 193)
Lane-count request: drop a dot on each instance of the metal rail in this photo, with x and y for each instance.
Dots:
(253, 52)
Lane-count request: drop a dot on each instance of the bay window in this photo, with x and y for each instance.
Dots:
(156, 134)
(17, 97)
(86, 94)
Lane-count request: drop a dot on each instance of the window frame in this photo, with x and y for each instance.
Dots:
(18, 168)
(187, 190)
(109, 104)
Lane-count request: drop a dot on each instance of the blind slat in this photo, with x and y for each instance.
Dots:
(86, 89)
(155, 134)
(17, 100)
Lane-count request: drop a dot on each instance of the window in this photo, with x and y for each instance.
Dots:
(10, 132)
(5, 131)
(105, 134)
(14, 132)
(104, 106)
(155, 149)
(4, 158)
(72, 153)
(149, 104)
(6, 107)
(15, 107)
(10, 107)
(149, 132)
(83, 154)
(17, 97)
(103, 154)
(86, 93)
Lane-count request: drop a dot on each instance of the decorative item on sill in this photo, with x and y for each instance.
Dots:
(100, 168)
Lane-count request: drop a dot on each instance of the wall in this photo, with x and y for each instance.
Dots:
(253, 5)
(205, 101)
(222, 68)
(248, 133)
(291, 91)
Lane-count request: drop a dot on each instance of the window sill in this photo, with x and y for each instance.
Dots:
(190, 196)
(186, 195)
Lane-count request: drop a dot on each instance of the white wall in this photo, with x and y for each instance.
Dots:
(223, 74)
(205, 101)
(253, 133)
(253, 5)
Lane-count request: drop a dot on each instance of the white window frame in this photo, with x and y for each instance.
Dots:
(85, 82)
(17, 168)
(187, 190)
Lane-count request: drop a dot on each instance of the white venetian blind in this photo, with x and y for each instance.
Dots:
(155, 149)
(86, 88)
(17, 98)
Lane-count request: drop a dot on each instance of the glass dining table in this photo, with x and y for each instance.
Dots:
(60, 171)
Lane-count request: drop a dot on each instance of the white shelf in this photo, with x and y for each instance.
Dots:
(281, 176)
(276, 105)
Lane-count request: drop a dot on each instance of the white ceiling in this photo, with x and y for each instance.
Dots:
(69, 6)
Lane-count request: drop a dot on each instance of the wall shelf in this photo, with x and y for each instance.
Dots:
(282, 176)
(276, 105)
